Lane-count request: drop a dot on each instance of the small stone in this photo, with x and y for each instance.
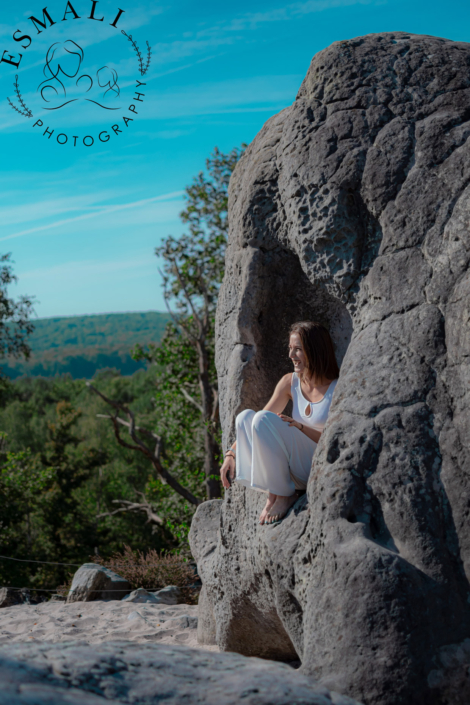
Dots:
(141, 595)
(9, 597)
(170, 595)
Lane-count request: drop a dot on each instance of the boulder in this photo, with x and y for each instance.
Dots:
(9, 597)
(170, 595)
(112, 673)
(141, 596)
(95, 582)
(352, 207)
(203, 539)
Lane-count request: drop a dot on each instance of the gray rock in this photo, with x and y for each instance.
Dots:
(170, 595)
(206, 627)
(58, 598)
(95, 582)
(112, 673)
(450, 679)
(140, 596)
(9, 597)
(352, 207)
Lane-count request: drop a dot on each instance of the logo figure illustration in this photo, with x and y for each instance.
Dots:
(64, 61)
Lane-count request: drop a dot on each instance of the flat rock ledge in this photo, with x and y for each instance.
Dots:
(122, 672)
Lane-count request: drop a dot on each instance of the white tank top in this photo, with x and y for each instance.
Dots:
(310, 413)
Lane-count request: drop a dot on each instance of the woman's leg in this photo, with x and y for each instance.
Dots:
(243, 453)
(279, 449)
(244, 456)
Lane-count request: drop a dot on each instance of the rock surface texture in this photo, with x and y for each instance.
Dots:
(352, 207)
(78, 674)
(170, 595)
(95, 582)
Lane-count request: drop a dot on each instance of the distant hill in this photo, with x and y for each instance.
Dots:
(80, 345)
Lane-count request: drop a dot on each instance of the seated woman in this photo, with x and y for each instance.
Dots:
(273, 452)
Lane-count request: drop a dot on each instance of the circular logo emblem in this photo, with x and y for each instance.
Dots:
(78, 81)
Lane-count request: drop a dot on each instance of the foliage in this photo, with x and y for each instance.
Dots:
(152, 570)
(15, 324)
(200, 254)
(62, 474)
(75, 471)
(192, 273)
(81, 345)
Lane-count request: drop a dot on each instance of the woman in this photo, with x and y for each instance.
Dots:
(273, 452)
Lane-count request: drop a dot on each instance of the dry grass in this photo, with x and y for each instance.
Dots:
(152, 570)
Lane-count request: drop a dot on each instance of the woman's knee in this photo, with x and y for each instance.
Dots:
(263, 416)
(244, 417)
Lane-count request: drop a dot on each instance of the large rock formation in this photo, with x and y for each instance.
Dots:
(148, 674)
(352, 207)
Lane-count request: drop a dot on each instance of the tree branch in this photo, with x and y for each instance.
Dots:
(215, 405)
(205, 294)
(139, 445)
(191, 400)
(145, 506)
(188, 299)
(177, 321)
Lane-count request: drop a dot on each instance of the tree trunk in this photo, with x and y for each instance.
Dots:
(211, 447)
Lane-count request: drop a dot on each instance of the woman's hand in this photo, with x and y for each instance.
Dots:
(227, 471)
(290, 421)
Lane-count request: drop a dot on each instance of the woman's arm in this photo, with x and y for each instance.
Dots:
(311, 433)
(281, 395)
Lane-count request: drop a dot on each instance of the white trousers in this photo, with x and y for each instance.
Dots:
(272, 456)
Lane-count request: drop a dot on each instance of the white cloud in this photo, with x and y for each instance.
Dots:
(295, 10)
(48, 207)
(254, 94)
(87, 268)
(104, 211)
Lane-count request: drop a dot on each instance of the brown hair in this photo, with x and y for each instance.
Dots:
(318, 348)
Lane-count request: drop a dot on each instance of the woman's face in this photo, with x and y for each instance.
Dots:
(296, 353)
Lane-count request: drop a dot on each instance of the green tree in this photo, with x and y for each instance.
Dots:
(192, 273)
(42, 517)
(23, 480)
(188, 436)
(15, 323)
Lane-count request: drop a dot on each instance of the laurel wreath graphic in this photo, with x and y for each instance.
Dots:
(24, 110)
(143, 67)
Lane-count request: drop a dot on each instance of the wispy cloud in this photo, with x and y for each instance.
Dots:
(253, 94)
(88, 268)
(104, 211)
(252, 20)
(50, 207)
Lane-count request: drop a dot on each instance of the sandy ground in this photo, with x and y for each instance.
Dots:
(96, 622)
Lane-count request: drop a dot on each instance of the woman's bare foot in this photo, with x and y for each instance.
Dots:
(280, 508)
(270, 501)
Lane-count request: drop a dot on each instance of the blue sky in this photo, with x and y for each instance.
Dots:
(82, 223)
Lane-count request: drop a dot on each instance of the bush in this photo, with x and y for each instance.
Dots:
(153, 571)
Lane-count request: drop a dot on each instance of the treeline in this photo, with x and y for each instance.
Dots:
(82, 345)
